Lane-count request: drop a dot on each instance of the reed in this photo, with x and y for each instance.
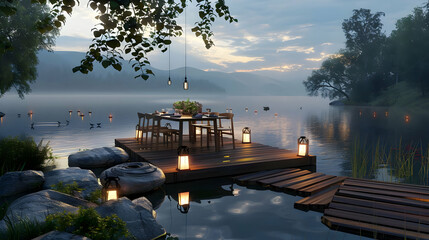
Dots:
(407, 163)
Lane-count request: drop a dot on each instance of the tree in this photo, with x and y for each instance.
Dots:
(356, 68)
(20, 42)
(332, 79)
(134, 27)
(410, 43)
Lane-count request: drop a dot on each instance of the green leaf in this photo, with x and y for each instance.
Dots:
(117, 66)
(93, 5)
(113, 43)
(105, 63)
(97, 34)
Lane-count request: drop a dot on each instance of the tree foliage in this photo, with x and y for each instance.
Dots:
(19, 43)
(135, 27)
(342, 75)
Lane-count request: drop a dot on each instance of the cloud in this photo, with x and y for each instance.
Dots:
(326, 44)
(290, 38)
(297, 49)
(284, 68)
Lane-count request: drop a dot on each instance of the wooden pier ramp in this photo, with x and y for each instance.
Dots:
(364, 207)
(206, 163)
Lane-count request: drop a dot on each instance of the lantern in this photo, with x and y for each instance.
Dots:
(139, 132)
(186, 84)
(183, 158)
(111, 188)
(183, 202)
(303, 143)
(169, 81)
(246, 109)
(245, 137)
(90, 113)
(70, 112)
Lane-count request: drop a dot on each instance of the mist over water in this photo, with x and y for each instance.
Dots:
(221, 210)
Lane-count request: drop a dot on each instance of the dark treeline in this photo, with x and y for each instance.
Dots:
(371, 61)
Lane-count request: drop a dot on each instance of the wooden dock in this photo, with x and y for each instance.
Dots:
(364, 207)
(206, 163)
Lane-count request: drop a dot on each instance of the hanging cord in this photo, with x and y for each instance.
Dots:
(185, 38)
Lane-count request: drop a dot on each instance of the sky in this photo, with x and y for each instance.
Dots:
(281, 39)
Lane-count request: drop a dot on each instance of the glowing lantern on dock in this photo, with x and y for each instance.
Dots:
(183, 202)
(245, 137)
(111, 188)
(139, 132)
(303, 144)
(183, 158)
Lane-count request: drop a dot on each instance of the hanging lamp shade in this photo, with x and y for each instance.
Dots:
(186, 84)
(169, 81)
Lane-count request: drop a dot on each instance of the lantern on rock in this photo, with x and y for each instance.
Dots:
(183, 202)
(245, 137)
(183, 158)
(303, 143)
(111, 188)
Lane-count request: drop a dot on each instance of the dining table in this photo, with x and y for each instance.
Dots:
(190, 120)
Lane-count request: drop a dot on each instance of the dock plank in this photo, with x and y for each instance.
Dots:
(286, 183)
(310, 190)
(273, 180)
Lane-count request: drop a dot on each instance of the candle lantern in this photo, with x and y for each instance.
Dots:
(303, 144)
(245, 137)
(183, 158)
(70, 112)
(111, 188)
(139, 132)
(183, 202)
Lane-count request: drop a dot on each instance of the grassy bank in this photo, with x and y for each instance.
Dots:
(402, 95)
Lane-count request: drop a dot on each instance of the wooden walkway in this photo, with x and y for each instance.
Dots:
(364, 207)
(206, 163)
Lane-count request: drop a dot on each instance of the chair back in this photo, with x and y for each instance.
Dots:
(229, 116)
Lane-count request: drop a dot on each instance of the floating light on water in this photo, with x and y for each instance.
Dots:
(90, 113)
(82, 115)
(110, 117)
(256, 112)
(276, 114)
(246, 109)
(1, 120)
(30, 114)
(183, 158)
(407, 118)
(386, 114)
(110, 190)
(245, 137)
(70, 112)
(360, 113)
(303, 144)
(374, 114)
(183, 202)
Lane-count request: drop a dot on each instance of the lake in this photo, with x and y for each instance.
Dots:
(220, 210)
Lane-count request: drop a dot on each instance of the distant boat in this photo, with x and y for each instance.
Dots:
(266, 108)
(2, 114)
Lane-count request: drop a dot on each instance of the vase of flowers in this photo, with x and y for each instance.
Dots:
(187, 107)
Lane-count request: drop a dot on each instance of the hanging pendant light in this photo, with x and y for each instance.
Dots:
(185, 83)
(169, 60)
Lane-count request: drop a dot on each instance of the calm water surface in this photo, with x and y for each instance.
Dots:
(219, 209)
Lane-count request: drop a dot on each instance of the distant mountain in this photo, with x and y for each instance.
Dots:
(55, 75)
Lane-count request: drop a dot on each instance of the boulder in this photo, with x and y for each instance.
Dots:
(57, 235)
(137, 214)
(135, 177)
(84, 178)
(98, 157)
(36, 206)
(14, 183)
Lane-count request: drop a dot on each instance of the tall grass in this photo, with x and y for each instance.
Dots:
(408, 163)
(23, 153)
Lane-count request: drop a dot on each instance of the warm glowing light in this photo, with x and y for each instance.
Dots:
(183, 198)
(139, 133)
(360, 113)
(169, 81)
(407, 118)
(183, 162)
(112, 195)
(1, 120)
(276, 114)
(386, 114)
(374, 114)
(256, 112)
(185, 84)
(90, 113)
(303, 144)
(246, 135)
(198, 131)
(246, 109)
(78, 112)
(70, 112)
(82, 115)
(110, 116)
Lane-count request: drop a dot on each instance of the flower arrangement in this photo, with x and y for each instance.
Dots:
(188, 107)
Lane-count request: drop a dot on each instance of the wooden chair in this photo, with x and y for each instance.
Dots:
(156, 129)
(140, 126)
(204, 125)
(223, 129)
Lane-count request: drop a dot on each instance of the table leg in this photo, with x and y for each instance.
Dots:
(216, 135)
(180, 133)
